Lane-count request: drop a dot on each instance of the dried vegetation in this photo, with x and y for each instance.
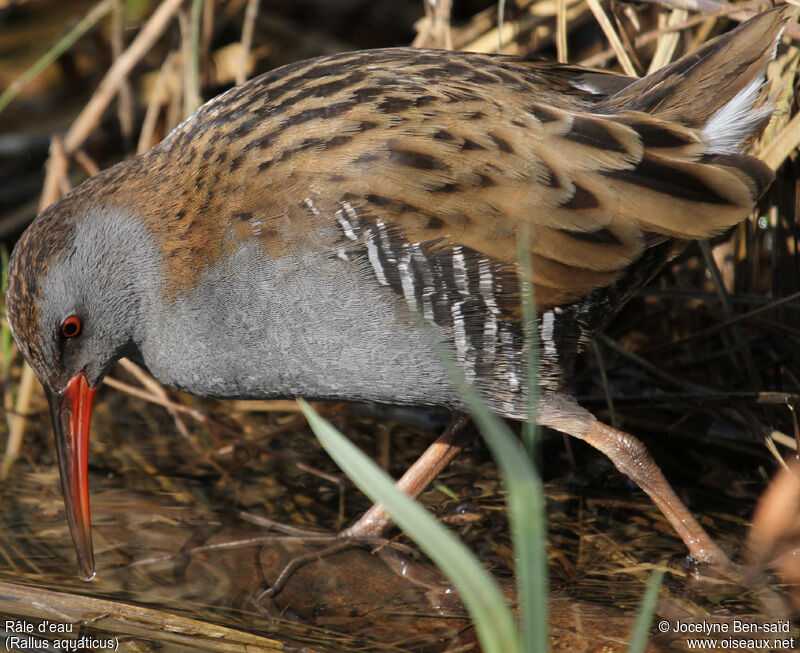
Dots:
(704, 365)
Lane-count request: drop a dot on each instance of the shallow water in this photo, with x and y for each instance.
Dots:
(174, 533)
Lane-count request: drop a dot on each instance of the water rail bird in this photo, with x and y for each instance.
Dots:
(304, 233)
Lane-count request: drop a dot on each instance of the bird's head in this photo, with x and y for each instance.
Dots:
(72, 308)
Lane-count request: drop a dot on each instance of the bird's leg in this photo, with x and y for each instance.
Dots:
(631, 457)
(373, 523)
(427, 467)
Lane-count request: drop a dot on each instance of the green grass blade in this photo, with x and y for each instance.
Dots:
(530, 430)
(530, 535)
(55, 52)
(526, 511)
(493, 620)
(641, 628)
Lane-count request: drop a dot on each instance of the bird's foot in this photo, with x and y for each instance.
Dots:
(365, 532)
(369, 530)
(631, 457)
(332, 544)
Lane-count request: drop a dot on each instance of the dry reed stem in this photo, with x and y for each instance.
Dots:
(266, 406)
(705, 19)
(702, 33)
(668, 42)
(433, 29)
(626, 39)
(485, 21)
(739, 12)
(55, 171)
(735, 11)
(174, 113)
(89, 118)
(17, 421)
(153, 399)
(782, 145)
(612, 36)
(208, 29)
(561, 31)
(441, 20)
(86, 162)
(537, 20)
(728, 313)
(250, 15)
(8, 395)
(225, 63)
(176, 492)
(769, 443)
(191, 80)
(784, 440)
(125, 104)
(782, 73)
(701, 6)
(121, 619)
(158, 97)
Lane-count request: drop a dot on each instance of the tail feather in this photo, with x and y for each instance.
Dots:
(719, 88)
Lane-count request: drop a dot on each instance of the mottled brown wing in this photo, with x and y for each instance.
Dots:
(458, 148)
(592, 190)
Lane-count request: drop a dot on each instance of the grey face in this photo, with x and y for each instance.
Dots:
(96, 283)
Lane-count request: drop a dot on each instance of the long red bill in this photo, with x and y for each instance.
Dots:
(71, 410)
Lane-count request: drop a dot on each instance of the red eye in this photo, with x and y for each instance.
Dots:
(71, 327)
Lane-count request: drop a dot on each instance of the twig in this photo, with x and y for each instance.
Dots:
(739, 12)
(724, 300)
(194, 97)
(266, 405)
(598, 351)
(55, 172)
(739, 318)
(537, 21)
(208, 30)
(441, 22)
(189, 86)
(626, 39)
(711, 7)
(501, 16)
(649, 367)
